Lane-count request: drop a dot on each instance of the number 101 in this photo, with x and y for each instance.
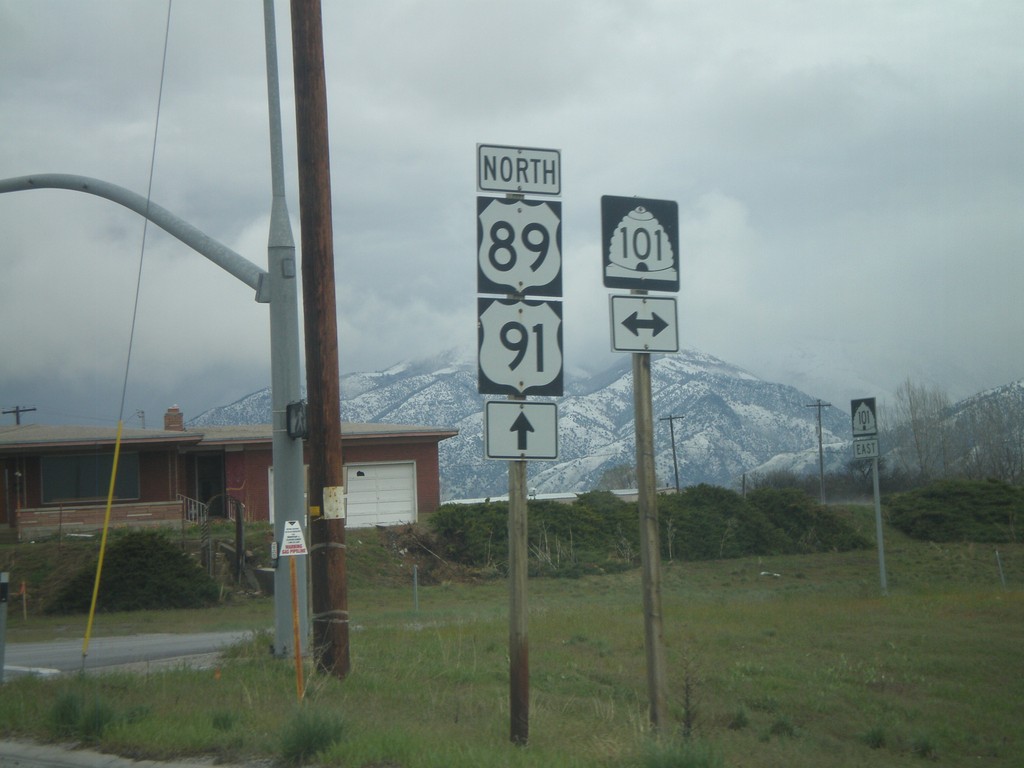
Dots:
(641, 245)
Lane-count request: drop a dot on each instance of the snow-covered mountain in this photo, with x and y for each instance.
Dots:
(724, 422)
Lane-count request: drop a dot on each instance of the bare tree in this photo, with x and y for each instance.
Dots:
(923, 432)
(993, 430)
(617, 477)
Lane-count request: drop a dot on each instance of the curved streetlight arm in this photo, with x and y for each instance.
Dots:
(218, 253)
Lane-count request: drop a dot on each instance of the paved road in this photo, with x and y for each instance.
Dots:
(134, 651)
(22, 754)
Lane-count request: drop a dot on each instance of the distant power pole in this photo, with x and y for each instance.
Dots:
(17, 411)
(821, 451)
(672, 434)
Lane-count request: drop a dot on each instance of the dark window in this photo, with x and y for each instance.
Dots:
(86, 477)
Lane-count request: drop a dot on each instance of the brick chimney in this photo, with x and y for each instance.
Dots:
(174, 420)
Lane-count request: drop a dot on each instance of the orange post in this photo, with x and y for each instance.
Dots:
(295, 628)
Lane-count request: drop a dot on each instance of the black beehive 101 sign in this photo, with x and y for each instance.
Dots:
(640, 243)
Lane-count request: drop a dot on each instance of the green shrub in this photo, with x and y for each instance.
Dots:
(311, 731)
(707, 522)
(739, 720)
(875, 737)
(96, 718)
(924, 747)
(782, 727)
(72, 717)
(66, 714)
(600, 533)
(224, 720)
(805, 525)
(984, 511)
(141, 570)
(587, 536)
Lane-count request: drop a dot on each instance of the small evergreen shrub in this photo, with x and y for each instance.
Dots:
(141, 570)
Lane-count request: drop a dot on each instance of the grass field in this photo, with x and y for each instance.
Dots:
(809, 667)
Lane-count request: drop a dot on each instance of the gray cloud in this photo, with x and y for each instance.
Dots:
(849, 179)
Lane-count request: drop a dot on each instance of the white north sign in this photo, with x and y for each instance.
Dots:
(523, 170)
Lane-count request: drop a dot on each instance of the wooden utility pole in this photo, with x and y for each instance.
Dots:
(327, 523)
(518, 638)
(17, 411)
(821, 450)
(650, 554)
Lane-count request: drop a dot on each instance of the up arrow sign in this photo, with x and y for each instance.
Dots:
(517, 429)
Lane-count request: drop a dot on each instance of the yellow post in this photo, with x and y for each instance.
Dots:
(103, 542)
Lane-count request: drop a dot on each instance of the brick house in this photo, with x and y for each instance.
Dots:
(57, 477)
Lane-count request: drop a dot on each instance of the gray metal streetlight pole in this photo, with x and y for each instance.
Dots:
(277, 288)
(285, 379)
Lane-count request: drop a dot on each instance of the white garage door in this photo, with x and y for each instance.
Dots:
(380, 494)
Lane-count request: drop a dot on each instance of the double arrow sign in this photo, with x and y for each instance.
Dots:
(644, 324)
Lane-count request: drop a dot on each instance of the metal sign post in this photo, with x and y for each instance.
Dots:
(865, 445)
(878, 528)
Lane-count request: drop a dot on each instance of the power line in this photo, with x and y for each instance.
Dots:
(145, 218)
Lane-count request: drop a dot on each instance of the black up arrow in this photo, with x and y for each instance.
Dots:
(655, 324)
(521, 425)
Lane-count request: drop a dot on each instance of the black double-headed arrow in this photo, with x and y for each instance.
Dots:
(656, 325)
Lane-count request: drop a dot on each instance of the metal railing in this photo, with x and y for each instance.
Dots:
(195, 510)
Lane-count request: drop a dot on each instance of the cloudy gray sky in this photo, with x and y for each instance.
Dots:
(850, 181)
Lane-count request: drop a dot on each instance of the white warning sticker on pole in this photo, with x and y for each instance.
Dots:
(293, 543)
